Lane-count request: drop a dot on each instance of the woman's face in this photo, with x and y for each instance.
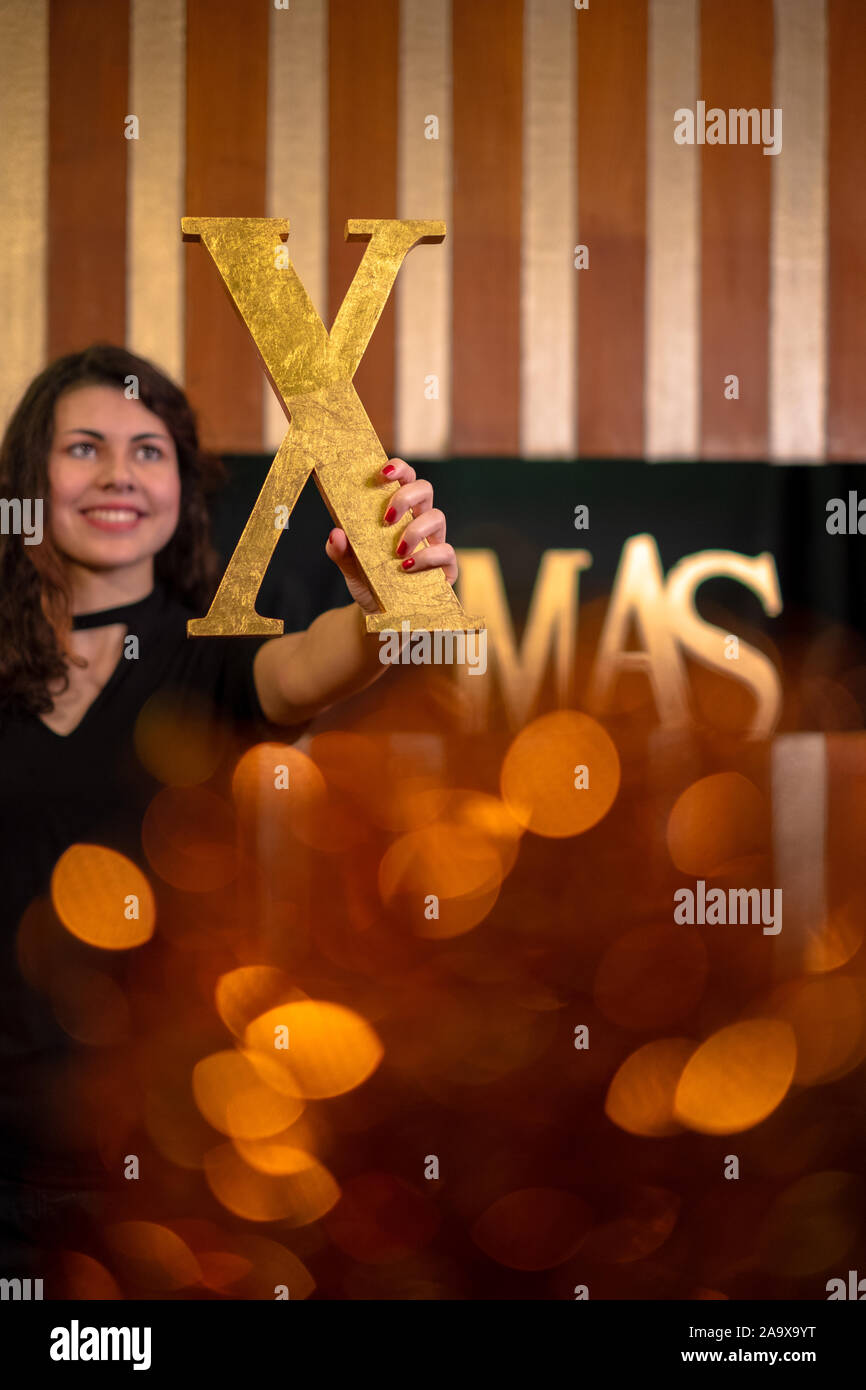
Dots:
(114, 480)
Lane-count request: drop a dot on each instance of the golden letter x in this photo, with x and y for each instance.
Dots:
(329, 433)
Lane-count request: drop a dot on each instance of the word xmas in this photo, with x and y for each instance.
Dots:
(76, 1343)
(738, 905)
(421, 648)
(738, 126)
(660, 609)
(846, 521)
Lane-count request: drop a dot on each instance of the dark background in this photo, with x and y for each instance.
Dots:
(520, 509)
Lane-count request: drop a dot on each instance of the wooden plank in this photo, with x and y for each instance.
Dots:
(548, 335)
(226, 127)
(298, 159)
(24, 205)
(88, 73)
(846, 406)
(422, 299)
(798, 253)
(736, 72)
(611, 163)
(673, 237)
(487, 37)
(156, 253)
(362, 174)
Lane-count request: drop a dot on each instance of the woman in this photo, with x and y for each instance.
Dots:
(92, 633)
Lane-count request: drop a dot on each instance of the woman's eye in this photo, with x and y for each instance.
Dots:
(146, 452)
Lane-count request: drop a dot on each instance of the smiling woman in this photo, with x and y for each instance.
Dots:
(94, 655)
(70, 445)
(115, 503)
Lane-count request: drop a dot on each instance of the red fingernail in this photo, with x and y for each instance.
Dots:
(389, 515)
(388, 469)
(401, 548)
(407, 564)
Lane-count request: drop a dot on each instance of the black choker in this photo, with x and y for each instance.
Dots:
(123, 613)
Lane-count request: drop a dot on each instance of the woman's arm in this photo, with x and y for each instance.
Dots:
(300, 675)
(304, 673)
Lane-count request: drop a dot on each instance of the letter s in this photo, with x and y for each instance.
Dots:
(706, 642)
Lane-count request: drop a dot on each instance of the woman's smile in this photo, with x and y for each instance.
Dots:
(113, 518)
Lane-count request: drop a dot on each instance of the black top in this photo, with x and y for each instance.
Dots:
(91, 786)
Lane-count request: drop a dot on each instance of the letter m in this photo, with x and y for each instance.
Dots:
(550, 628)
(10, 506)
(748, 905)
(118, 1339)
(743, 119)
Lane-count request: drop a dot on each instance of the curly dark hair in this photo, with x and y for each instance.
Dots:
(35, 602)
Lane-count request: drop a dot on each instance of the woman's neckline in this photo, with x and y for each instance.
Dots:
(120, 613)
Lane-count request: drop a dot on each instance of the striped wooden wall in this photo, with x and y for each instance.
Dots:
(555, 129)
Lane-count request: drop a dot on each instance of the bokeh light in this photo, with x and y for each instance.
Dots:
(280, 794)
(234, 1096)
(330, 1048)
(242, 994)
(651, 977)
(813, 1224)
(178, 741)
(716, 823)
(392, 778)
(85, 1279)
(541, 770)
(278, 1155)
(188, 835)
(377, 964)
(836, 940)
(380, 1219)
(270, 1266)
(102, 897)
(827, 1016)
(533, 1228)
(298, 1198)
(646, 1219)
(152, 1255)
(737, 1077)
(446, 860)
(641, 1096)
(175, 1125)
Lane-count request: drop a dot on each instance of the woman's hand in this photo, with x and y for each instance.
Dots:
(428, 524)
(303, 673)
